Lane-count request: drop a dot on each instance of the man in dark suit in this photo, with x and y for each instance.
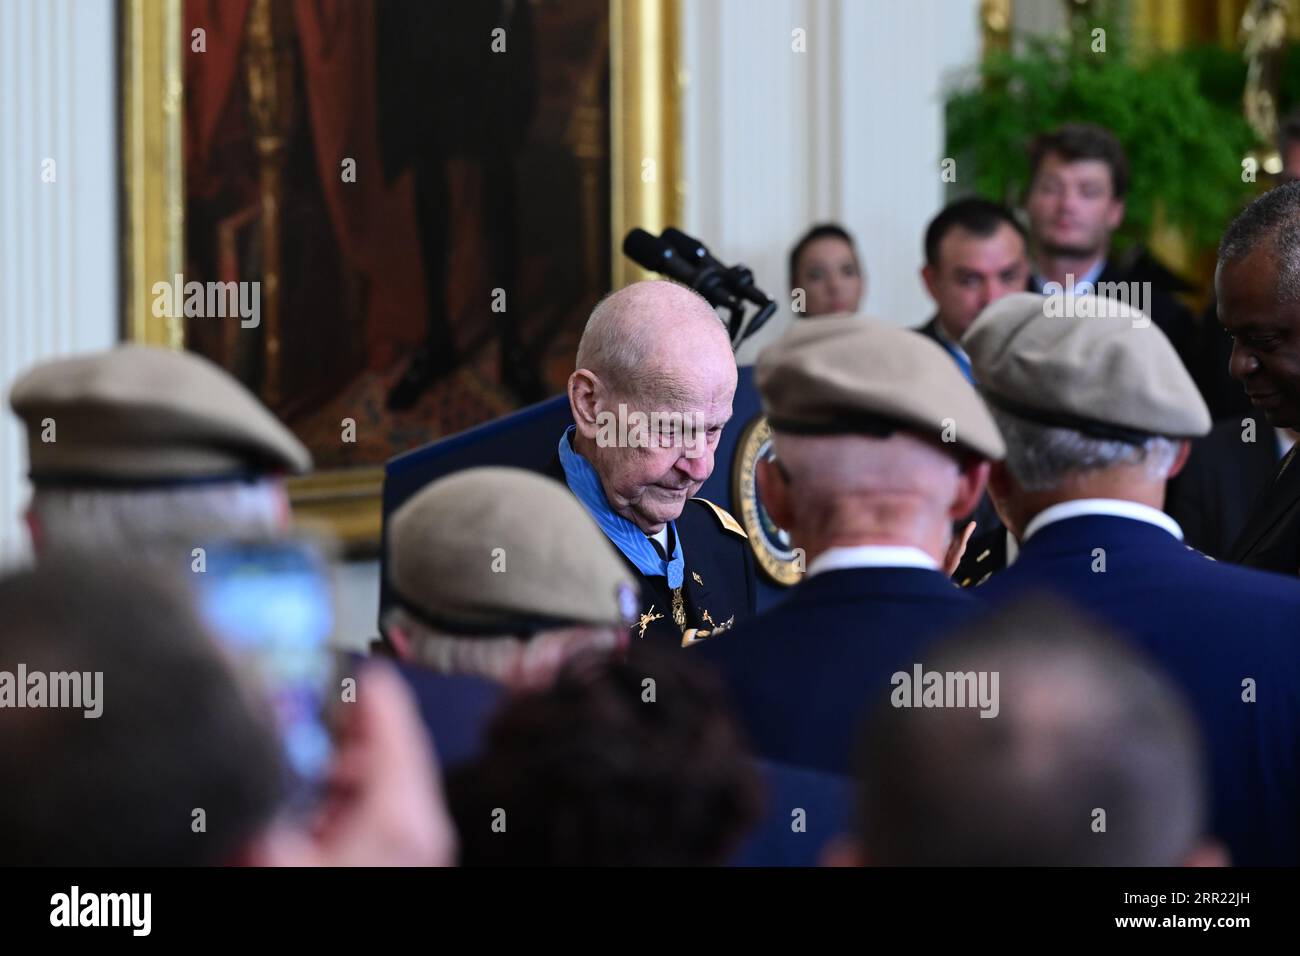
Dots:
(975, 253)
(1211, 498)
(1222, 392)
(1257, 283)
(1088, 455)
(651, 393)
(880, 442)
(1078, 179)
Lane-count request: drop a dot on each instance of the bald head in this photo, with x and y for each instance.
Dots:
(652, 390)
(650, 338)
(847, 490)
(839, 466)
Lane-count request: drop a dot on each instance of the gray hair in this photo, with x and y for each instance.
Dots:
(1042, 457)
(504, 659)
(1273, 217)
(94, 519)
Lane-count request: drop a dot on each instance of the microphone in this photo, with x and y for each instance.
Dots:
(691, 248)
(653, 253)
(657, 255)
(738, 278)
(687, 260)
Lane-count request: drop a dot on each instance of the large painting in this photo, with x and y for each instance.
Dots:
(433, 175)
(395, 215)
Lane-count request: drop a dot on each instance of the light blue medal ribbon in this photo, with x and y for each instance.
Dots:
(949, 346)
(627, 537)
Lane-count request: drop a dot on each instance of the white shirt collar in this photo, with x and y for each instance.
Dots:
(1284, 442)
(870, 556)
(1111, 507)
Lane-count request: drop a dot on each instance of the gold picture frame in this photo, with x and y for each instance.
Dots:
(645, 89)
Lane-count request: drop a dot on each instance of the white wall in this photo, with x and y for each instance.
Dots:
(58, 240)
(851, 130)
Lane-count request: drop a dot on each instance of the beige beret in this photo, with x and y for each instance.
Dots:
(850, 374)
(505, 551)
(1108, 371)
(138, 414)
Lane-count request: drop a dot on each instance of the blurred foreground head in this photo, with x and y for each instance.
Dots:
(501, 573)
(1092, 758)
(139, 446)
(141, 723)
(617, 764)
(138, 742)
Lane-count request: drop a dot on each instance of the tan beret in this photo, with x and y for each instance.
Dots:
(855, 375)
(505, 551)
(1106, 371)
(138, 414)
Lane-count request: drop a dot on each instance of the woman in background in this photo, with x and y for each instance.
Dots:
(825, 279)
(824, 264)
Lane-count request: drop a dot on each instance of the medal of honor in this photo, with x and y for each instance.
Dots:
(679, 609)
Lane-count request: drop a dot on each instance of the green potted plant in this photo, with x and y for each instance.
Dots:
(1184, 135)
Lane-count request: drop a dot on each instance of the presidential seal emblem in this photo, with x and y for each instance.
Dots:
(775, 556)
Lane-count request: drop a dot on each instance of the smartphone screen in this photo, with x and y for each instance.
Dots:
(271, 603)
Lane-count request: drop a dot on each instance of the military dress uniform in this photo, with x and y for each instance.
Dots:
(1227, 635)
(718, 585)
(986, 555)
(805, 672)
(717, 589)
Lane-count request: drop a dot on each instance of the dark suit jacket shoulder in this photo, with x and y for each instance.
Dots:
(1270, 540)
(1211, 498)
(1211, 627)
(803, 673)
(930, 330)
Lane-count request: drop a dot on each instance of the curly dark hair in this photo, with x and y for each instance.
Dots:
(606, 768)
(1077, 141)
